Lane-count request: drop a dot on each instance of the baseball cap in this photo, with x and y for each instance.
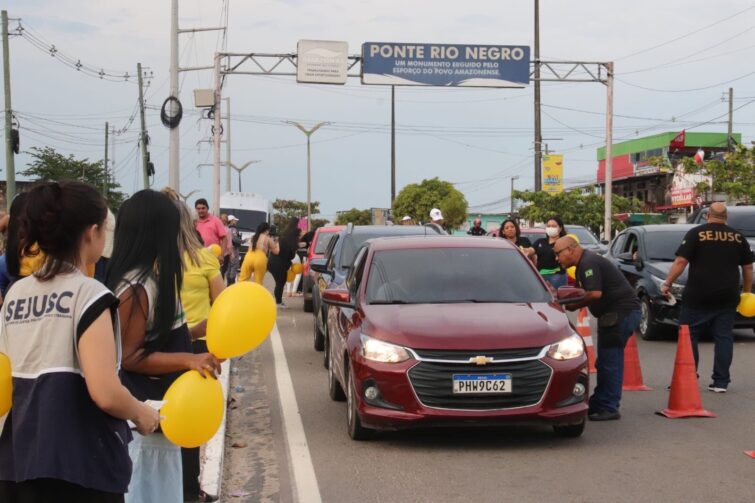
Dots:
(435, 214)
(407, 217)
(232, 217)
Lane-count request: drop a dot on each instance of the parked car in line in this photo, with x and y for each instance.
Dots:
(334, 268)
(644, 255)
(587, 239)
(412, 345)
(317, 248)
(741, 218)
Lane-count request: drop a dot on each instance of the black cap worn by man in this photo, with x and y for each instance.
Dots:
(612, 300)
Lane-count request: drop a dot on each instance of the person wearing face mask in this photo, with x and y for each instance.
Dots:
(547, 263)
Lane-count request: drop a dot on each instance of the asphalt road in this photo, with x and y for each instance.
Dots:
(642, 457)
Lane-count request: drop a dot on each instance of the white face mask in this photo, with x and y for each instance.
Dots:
(552, 232)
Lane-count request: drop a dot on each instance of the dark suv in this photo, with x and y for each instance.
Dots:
(644, 255)
(741, 218)
(334, 267)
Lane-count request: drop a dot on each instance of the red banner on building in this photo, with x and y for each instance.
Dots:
(678, 141)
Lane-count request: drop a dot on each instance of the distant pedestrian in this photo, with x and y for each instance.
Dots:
(235, 240)
(279, 264)
(547, 263)
(255, 261)
(66, 437)
(476, 229)
(227, 246)
(613, 301)
(510, 230)
(436, 216)
(407, 220)
(715, 254)
(209, 226)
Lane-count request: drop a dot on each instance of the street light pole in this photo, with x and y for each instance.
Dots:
(308, 133)
(512, 194)
(239, 170)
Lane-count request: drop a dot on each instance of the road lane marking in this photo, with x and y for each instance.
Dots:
(305, 480)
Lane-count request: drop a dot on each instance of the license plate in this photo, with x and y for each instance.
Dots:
(481, 383)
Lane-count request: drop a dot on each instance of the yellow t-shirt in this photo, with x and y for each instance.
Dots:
(195, 291)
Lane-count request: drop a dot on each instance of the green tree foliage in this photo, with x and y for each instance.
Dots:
(574, 208)
(734, 175)
(48, 165)
(417, 199)
(286, 209)
(354, 216)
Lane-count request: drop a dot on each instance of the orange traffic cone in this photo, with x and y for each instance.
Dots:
(583, 329)
(684, 400)
(632, 368)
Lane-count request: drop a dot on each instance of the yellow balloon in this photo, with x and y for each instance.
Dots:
(746, 305)
(193, 410)
(6, 385)
(574, 237)
(215, 249)
(240, 319)
(297, 268)
(290, 275)
(572, 272)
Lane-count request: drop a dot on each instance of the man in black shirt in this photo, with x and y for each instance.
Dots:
(613, 301)
(477, 229)
(715, 252)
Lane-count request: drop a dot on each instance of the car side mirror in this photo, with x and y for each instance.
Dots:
(625, 258)
(320, 265)
(604, 242)
(337, 297)
(569, 294)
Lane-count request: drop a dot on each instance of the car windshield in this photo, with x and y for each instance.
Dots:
(743, 222)
(452, 275)
(352, 242)
(663, 245)
(585, 237)
(323, 239)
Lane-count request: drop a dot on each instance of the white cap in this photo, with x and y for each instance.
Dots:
(406, 218)
(436, 215)
(232, 217)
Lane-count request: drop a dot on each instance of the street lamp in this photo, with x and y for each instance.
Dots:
(239, 170)
(512, 194)
(308, 133)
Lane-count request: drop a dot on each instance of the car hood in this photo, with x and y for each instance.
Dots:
(660, 269)
(467, 326)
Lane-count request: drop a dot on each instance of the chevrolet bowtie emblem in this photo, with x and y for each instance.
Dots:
(480, 360)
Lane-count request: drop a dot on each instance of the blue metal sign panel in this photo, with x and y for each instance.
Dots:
(398, 64)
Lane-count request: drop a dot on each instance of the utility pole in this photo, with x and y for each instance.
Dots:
(393, 144)
(107, 132)
(216, 138)
(112, 156)
(174, 153)
(609, 154)
(143, 135)
(538, 130)
(227, 134)
(729, 136)
(309, 133)
(10, 166)
(512, 194)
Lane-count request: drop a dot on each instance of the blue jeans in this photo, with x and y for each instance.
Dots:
(719, 323)
(610, 362)
(556, 280)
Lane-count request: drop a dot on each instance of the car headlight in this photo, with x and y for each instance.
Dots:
(567, 349)
(380, 351)
(676, 288)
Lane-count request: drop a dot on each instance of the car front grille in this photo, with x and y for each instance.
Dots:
(433, 384)
(465, 355)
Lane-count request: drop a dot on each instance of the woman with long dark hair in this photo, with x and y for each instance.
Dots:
(146, 273)
(279, 264)
(547, 262)
(255, 260)
(65, 439)
(510, 230)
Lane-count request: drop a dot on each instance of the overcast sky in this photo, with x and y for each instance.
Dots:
(675, 60)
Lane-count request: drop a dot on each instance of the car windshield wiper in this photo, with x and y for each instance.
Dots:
(387, 302)
(662, 259)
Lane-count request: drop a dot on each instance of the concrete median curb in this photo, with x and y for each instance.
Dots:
(212, 460)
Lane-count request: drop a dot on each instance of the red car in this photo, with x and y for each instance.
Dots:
(317, 248)
(450, 331)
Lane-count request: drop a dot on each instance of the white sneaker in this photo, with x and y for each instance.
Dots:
(282, 306)
(716, 389)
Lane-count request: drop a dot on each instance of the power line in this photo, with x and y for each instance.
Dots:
(719, 84)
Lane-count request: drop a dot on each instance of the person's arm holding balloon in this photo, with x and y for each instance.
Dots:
(133, 310)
